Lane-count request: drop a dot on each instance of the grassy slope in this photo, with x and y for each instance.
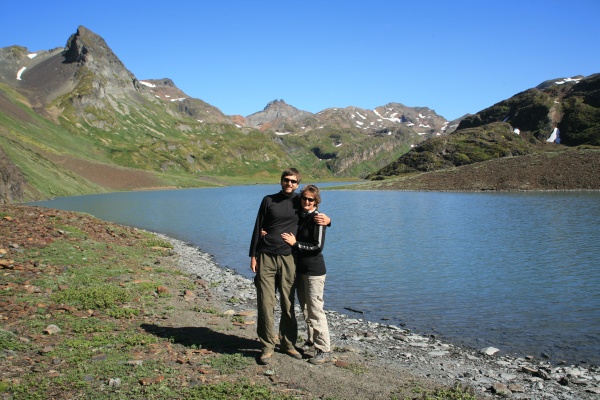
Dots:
(113, 291)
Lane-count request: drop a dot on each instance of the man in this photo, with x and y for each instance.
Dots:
(272, 261)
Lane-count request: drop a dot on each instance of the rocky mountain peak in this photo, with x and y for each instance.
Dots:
(276, 114)
(276, 104)
(86, 46)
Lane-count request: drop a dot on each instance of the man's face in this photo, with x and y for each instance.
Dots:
(289, 184)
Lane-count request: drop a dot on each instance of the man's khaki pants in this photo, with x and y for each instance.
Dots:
(276, 272)
(310, 295)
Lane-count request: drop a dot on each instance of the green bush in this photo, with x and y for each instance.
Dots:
(100, 296)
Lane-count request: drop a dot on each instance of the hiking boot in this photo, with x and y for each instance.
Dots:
(320, 357)
(265, 357)
(307, 346)
(293, 353)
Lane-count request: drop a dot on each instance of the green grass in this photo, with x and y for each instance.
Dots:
(230, 363)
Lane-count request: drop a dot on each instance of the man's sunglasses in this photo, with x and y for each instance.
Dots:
(287, 180)
(307, 199)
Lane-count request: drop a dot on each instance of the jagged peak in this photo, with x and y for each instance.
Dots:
(84, 46)
(276, 103)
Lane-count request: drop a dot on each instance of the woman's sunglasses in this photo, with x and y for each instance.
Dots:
(307, 199)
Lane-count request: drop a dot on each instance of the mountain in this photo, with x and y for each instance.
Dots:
(565, 110)
(75, 120)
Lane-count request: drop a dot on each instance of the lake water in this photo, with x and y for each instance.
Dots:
(517, 271)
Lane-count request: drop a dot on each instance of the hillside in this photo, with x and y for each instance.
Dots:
(557, 168)
(553, 118)
(74, 108)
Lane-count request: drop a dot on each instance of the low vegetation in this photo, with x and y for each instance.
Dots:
(79, 301)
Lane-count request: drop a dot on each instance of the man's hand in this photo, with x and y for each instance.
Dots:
(253, 264)
(322, 219)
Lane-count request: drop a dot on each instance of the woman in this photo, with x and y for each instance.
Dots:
(311, 272)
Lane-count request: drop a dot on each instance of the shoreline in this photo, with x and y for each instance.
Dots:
(395, 347)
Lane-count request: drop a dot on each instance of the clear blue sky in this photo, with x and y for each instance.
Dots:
(455, 57)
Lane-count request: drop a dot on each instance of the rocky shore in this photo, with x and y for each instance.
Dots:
(398, 351)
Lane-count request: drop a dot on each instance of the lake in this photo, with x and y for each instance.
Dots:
(517, 271)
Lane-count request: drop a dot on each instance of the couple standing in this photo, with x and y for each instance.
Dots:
(285, 253)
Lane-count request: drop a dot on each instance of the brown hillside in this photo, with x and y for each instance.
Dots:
(559, 168)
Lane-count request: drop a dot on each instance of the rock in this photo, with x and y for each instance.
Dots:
(151, 381)
(490, 351)
(114, 382)
(438, 353)
(188, 295)
(500, 389)
(161, 290)
(516, 388)
(529, 370)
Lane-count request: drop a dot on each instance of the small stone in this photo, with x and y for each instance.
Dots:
(188, 295)
(51, 329)
(529, 370)
(507, 377)
(114, 382)
(516, 388)
(247, 313)
(269, 372)
(162, 290)
(490, 351)
(438, 353)
(151, 381)
(500, 389)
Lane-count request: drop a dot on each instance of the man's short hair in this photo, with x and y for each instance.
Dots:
(289, 172)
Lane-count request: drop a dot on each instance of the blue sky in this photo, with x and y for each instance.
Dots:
(455, 57)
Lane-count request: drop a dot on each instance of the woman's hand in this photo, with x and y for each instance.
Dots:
(263, 233)
(289, 238)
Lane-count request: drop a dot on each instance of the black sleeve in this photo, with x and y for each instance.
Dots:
(258, 224)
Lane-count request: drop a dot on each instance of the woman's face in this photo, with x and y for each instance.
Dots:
(307, 200)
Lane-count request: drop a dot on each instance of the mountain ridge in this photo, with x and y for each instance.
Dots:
(66, 110)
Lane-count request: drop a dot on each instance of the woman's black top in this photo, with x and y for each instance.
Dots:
(310, 241)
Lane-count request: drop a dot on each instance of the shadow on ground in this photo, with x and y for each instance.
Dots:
(206, 338)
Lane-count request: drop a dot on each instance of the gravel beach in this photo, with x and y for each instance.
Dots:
(397, 352)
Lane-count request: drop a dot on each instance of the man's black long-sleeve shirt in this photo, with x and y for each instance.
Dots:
(277, 214)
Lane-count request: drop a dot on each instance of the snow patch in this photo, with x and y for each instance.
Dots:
(567, 80)
(32, 55)
(361, 115)
(392, 117)
(554, 136)
(20, 73)
(147, 84)
(282, 133)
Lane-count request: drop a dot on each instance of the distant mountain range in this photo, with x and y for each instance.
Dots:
(74, 120)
